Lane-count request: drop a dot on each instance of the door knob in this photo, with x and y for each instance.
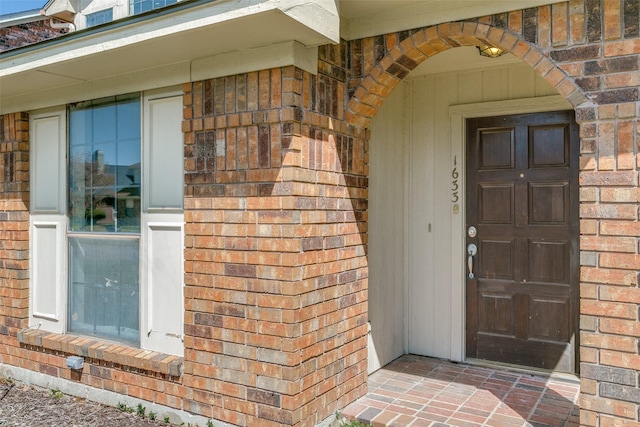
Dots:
(472, 249)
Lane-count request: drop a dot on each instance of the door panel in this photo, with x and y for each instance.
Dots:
(522, 196)
(496, 203)
(496, 149)
(549, 203)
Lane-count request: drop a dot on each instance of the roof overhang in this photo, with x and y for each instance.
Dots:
(199, 39)
(192, 40)
(20, 18)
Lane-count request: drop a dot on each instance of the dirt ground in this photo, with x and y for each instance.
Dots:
(26, 406)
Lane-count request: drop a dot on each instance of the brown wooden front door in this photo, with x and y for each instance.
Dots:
(522, 198)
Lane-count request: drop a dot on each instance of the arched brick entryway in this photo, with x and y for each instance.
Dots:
(403, 56)
(404, 52)
(588, 51)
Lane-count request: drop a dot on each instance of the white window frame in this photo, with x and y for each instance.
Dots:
(132, 4)
(48, 220)
(96, 14)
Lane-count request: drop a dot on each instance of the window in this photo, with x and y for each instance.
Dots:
(104, 218)
(141, 6)
(99, 17)
(107, 221)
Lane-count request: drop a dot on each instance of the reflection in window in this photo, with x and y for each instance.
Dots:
(104, 223)
(104, 167)
(100, 17)
(141, 6)
(104, 288)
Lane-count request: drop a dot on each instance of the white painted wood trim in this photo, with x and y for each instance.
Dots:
(406, 141)
(160, 218)
(510, 106)
(156, 154)
(263, 58)
(45, 171)
(457, 247)
(48, 270)
(458, 115)
(153, 336)
(319, 15)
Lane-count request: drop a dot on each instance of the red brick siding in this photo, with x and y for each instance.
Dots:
(14, 224)
(275, 257)
(276, 234)
(25, 34)
(146, 375)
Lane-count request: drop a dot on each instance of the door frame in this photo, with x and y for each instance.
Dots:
(457, 119)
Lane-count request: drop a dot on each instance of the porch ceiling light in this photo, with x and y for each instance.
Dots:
(490, 51)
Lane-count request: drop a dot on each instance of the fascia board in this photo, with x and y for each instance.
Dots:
(320, 15)
(244, 61)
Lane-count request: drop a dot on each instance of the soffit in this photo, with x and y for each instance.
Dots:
(364, 18)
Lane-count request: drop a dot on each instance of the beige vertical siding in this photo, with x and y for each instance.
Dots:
(414, 305)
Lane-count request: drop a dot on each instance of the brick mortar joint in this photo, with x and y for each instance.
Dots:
(145, 361)
(234, 114)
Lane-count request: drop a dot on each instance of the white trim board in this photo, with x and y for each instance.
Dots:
(510, 106)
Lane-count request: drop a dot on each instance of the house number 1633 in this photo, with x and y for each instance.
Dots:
(455, 187)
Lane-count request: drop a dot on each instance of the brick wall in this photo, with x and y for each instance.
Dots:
(276, 273)
(275, 257)
(276, 277)
(14, 224)
(588, 50)
(25, 34)
(146, 375)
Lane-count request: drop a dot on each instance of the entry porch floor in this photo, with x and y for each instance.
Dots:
(419, 391)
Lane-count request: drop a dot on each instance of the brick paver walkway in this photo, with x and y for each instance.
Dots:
(418, 391)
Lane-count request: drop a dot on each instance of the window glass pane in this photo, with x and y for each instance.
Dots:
(140, 6)
(81, 131)
(103, 161)
(147, 5)
(128, 121)
(100, 17)
(102, 215)
(104, 166)
(104, 119)
(104, 291)
(128, 209)
(79, 187)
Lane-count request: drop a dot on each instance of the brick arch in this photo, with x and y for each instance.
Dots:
(401, 58)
